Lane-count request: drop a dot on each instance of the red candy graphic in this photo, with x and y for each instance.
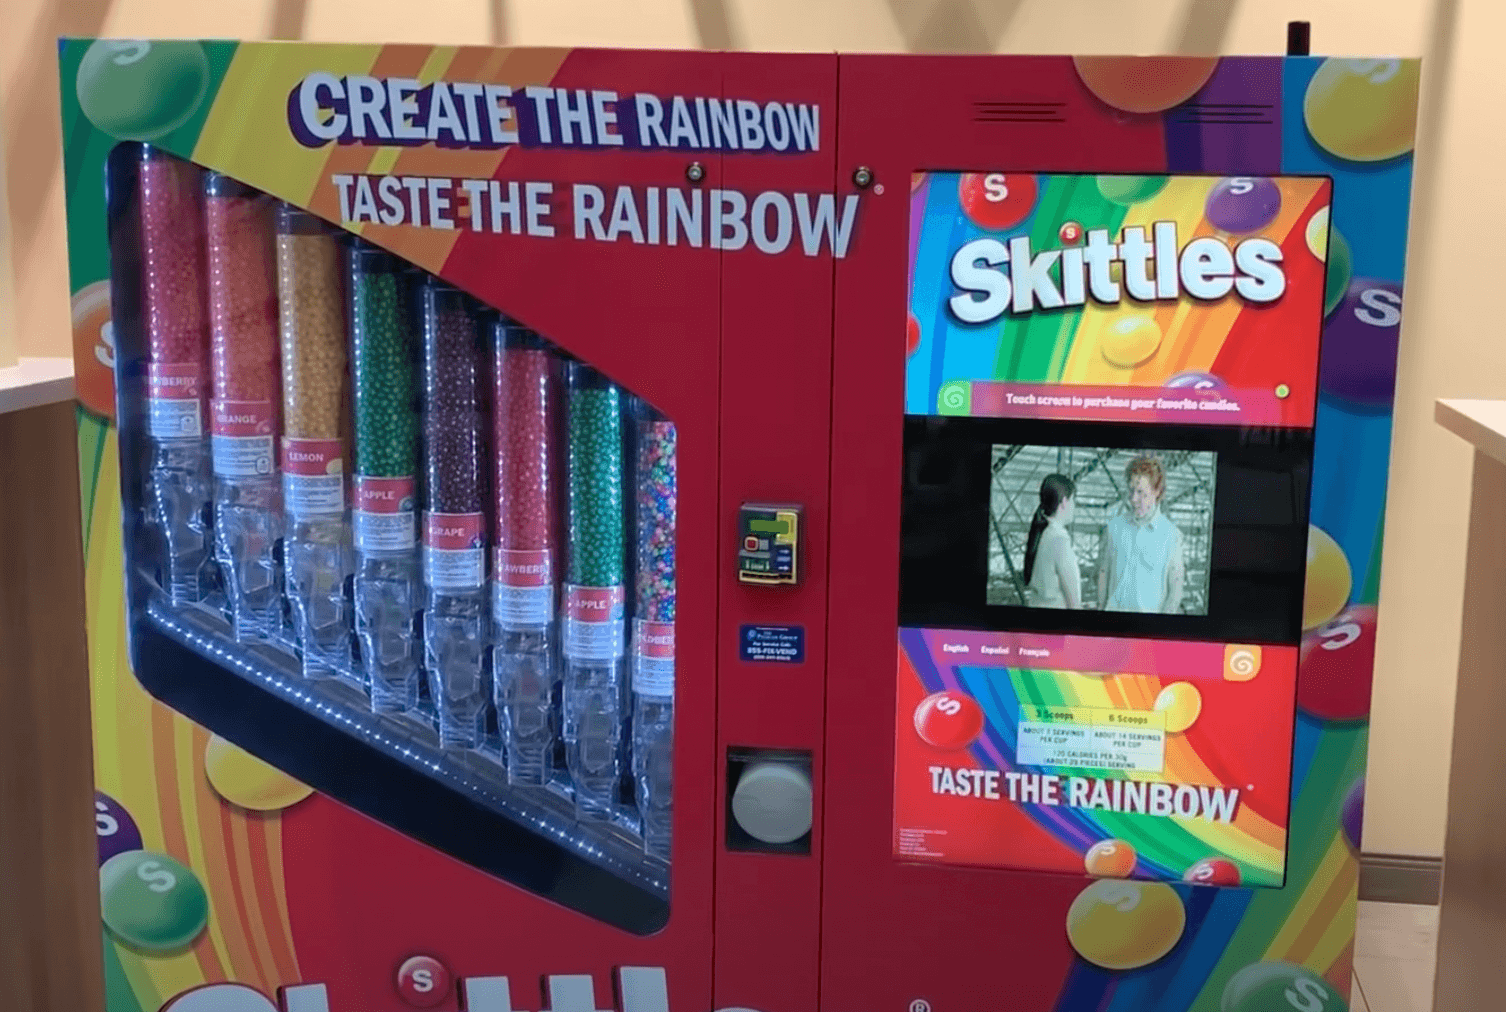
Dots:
(1213, 871)
(423, 981)
(1337, 663)
(912, 336)
(948, 720)
(996, 201)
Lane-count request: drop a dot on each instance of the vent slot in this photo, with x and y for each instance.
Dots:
(1019, 112)
(1226, 113)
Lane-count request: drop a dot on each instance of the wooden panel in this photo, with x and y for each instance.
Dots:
(1471, 930)
(50, 957)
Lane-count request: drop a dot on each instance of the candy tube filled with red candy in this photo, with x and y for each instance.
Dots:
(173, 309)
(524, 391)
(245, 390)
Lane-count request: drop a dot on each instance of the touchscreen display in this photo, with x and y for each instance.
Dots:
(1110, 395)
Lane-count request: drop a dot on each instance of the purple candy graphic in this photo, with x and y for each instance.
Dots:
(114, 827)
(1359, 345)
(1352, 816)
(1195, 381)
(1242, 204)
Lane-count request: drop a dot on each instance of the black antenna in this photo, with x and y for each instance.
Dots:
(1299, 38)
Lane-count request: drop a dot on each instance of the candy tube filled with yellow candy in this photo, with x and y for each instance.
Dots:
(315, 392)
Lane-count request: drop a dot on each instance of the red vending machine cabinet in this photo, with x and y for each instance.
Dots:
(530, 570)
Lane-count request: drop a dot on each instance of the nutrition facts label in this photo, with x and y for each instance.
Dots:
(1092, 738)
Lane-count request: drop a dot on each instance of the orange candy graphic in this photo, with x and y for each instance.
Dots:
(1110, 859)
(94, 349)
(1144, 84)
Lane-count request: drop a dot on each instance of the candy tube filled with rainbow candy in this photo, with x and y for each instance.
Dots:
(593, 692)
(177, 333)
(311, 298)
(385, 496)
(245, 393)
(454, 525)
(524, 392)
(653, 651)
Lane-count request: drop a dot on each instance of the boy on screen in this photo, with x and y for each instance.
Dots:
(1140, 565)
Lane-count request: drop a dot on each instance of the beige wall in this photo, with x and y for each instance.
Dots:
(1452, 345)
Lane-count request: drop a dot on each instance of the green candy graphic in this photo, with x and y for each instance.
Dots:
(139, 91)
(151, 902)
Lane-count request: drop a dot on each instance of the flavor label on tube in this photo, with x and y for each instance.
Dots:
(523, 588)
(594, 624)
(313, 477)
(242, 439)
(455, 551)
(174, 401)
(654, 658)
(383, 514)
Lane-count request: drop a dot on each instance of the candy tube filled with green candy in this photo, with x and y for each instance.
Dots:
(593, 627)
(382, 364)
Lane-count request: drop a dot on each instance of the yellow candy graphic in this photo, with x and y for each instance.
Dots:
(1329, 579)
(1363, 110)
(1181, 703)
(246, 782)
(1317, 234)
(1131, 341)
(1121, 925)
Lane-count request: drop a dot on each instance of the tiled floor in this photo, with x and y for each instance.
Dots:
(1393, 958)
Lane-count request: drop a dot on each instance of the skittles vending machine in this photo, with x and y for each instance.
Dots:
(578, 530)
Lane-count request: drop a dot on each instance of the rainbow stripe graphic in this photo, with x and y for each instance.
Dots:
(151, 761)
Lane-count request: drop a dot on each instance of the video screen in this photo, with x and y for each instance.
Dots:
(1101, 529)
(1193, 532)
(1110, 396)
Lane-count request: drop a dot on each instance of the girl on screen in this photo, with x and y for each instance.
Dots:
(1052, 577)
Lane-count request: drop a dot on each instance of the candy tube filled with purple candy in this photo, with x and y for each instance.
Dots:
(454, 521)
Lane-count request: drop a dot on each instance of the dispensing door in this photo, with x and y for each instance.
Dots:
(1076, 357)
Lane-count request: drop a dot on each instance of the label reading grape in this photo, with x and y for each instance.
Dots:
(455, 551)
(241, 437)
(383, 514)
(594, 625)
(654, 659)
(174, 402)
(313, 477)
